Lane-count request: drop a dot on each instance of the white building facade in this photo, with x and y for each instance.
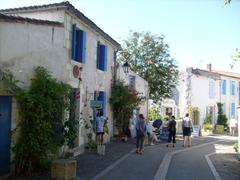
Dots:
(203, 89)
(70, 46)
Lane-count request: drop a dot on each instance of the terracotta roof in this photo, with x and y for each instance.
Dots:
(226, 73)
(65, 5)
(18, 19)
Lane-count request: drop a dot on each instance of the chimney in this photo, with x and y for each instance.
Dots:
(209, 67)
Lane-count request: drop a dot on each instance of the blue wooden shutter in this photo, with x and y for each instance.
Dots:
(105, 58)
(233, 109)
(74, 31)
(224, 87)
(98, 55)
(83, 47)
(102, 97)
(102, 57)
(78, 45)
(233, 87)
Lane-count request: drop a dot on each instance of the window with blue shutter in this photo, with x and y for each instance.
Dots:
(232, 87)
(102, 57)
(233, 109)
(78, 44)
(224, 87)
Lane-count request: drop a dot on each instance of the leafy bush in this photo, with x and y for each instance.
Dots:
(222, 119)
(207, 126)
(153, 114)
(236, 147)
(123, 102)
(41, 126)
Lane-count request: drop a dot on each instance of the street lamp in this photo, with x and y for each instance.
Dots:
(125, 67)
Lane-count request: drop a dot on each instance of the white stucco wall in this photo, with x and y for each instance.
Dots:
(51, 48)
(92, 78)
(24, 46)
(199, 94)
(228, 98)
(141, 86)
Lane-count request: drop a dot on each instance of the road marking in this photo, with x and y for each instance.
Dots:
(212, 167)
(163, 168)
(102, 173)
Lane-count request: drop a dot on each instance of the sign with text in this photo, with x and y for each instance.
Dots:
(196, 130)
(96, 104)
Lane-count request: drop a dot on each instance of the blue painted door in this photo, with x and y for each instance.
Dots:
(5, 129)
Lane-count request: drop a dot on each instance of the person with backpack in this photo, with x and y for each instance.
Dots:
(141, 132)
(172, 131)
(187, 130)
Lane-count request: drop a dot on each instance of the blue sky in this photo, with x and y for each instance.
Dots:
(197, 31)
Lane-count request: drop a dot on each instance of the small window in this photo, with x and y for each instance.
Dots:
(132, 82)
(211, 89)
(232, 87)
(78, 44)
(101, 57)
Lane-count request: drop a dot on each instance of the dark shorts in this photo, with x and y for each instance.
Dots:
(100, 133)
(187, 131)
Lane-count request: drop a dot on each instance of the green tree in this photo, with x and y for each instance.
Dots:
(150, 58)
(222, 119)
(235, 57)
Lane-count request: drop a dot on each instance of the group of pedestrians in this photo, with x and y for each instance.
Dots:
(143, 129)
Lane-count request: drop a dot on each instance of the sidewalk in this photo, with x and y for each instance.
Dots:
(90, 163)
(226, 163)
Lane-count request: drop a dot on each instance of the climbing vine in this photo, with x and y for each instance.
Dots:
(42, 127)
(124, 101)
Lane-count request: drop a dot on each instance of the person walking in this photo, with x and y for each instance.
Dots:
(187, 130)
(172, 131)
(141, 131)
(100, 122)
(232, 125)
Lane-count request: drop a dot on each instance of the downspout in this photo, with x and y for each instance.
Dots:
(113, 84)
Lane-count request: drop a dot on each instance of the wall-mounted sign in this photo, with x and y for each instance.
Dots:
(96, 104)
(76, 71)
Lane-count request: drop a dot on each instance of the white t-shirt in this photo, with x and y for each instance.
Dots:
(187, 122)
(232, 122)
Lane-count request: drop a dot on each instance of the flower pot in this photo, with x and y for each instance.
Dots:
(63, 169)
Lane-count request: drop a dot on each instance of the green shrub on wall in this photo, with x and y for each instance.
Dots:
(123, 102)
(222, 119)
(41, 127)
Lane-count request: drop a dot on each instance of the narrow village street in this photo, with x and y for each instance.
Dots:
(97, 90)
(161, 162)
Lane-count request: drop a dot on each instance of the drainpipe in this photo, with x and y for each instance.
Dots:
(114, 82)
